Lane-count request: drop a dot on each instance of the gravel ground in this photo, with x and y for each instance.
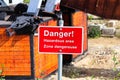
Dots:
(101, 63)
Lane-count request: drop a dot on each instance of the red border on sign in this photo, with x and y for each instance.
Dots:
(69, 40)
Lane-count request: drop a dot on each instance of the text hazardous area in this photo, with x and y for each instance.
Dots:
(64, 40)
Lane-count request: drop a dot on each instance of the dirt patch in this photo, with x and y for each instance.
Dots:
(101, 63)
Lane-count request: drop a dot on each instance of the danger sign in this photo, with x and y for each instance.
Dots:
(64, 40)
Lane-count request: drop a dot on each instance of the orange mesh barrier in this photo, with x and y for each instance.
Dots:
(14, 54)
(44, 63)
(80, 19)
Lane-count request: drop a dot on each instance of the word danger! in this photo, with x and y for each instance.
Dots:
(58, 34)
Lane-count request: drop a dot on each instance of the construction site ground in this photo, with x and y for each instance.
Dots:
(102, 62)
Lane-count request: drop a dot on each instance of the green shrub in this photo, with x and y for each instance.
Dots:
(117, 34)
(26, 1)
(94, 32)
